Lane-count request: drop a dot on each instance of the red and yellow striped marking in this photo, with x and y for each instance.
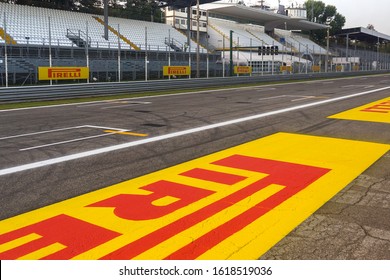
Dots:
(378, 111)
(234, 204)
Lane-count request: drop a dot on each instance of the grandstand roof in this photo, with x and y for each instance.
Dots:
(269, 20)
(178, 4)
(364, 35)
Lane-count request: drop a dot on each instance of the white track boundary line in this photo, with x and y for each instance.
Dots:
(186, 93)
(62, 159)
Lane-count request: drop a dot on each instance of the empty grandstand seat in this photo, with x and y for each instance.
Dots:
(30, 25)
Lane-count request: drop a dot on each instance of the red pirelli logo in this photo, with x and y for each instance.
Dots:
(176, 70)
(383, 107)
(234, 204)
(79, 236)
(242, 69)
(63, 73)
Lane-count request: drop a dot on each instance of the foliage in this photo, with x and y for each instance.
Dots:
(58, 4)
(146, 10)
(318, 12)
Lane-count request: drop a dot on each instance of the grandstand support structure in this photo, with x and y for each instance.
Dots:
(6, 37)
(116, 32)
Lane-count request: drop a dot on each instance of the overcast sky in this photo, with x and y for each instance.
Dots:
(358, 13)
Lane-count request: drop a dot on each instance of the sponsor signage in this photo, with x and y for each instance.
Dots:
(316, 68)
(177, 70)
(242, 69)
(233, 204)
(286, 68)
(63, 73)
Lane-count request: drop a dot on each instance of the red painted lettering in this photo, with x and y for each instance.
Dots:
(140, 207)
(294, 177)
(383, 107)
(78, 237)
(213, 176)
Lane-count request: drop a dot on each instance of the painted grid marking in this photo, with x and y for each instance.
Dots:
(68, 141)
(378, 111)
(59, 129)
(107, 132)
(233, 204)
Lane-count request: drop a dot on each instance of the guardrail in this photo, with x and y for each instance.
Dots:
(35, 93)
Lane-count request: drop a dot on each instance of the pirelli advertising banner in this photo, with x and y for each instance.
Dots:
(63, 73)
(242, 69)
(177, 70)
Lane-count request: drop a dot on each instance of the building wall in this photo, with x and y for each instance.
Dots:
(178, 19)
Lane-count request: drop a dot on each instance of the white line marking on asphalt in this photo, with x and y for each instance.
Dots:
(62, 159)
(356, 86)
(273, 97)
(120, 106)
(107, 128)
(68, 141)
(42, 132)
(303, 98)
(61, 129)
(173, 94)
(265, 89)
(112, 102)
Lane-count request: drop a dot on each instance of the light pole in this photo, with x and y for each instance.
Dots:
(106, 19)
(197, 40)
(231, 52)
(377, 55)
(327, 50)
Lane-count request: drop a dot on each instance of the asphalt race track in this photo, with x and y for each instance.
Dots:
(181, 178)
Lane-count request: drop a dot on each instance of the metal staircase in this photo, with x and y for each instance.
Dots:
(78, 37)
(174, 44)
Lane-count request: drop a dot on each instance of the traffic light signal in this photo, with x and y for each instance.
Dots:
(268, 50)
(276, 50)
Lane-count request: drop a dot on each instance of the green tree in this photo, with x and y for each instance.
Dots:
(58, 4)
(146, 10)
(88, 6)
(319, 12)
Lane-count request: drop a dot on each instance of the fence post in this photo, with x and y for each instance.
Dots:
(50, 55)
(5, 53)
(146, 53)
(119, 56)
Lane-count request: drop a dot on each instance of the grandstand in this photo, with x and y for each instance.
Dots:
(31, 25)
(138, 50)
(300, 43)
(243, 35)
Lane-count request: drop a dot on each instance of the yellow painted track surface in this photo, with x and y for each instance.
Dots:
(378, 111)
(233, 204)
